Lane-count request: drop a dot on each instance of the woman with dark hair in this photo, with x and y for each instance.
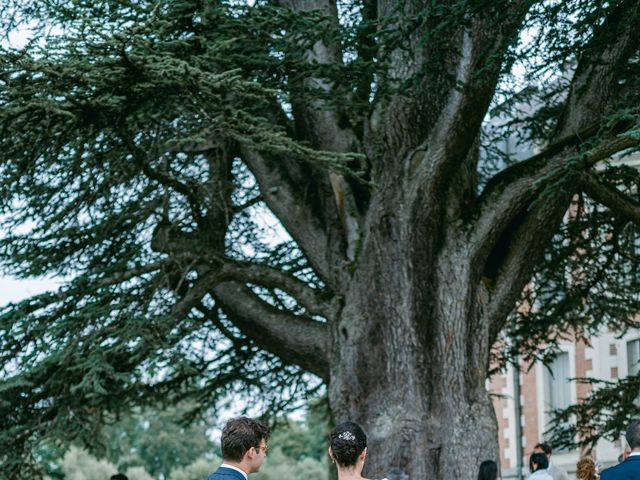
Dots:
(538, 464)
(488, 470)
(348, 449)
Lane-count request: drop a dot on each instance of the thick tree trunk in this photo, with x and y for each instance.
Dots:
(410, 357)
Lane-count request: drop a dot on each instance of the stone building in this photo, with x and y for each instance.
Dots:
(607, 357)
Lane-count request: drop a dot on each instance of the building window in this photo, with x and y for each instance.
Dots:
(558, 384)
(614, 372)
(613, 349)
(633, 357)
(557, 387)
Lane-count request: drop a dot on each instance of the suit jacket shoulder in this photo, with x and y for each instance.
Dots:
(627, 470)
(223, 473)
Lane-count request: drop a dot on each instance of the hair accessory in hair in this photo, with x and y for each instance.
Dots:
(348, 436)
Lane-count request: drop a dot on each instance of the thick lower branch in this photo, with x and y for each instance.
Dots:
(186, 245)
(264, 275)
(618, 202)
(296, 340)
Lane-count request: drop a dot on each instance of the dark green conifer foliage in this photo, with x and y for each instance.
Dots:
(131, 136)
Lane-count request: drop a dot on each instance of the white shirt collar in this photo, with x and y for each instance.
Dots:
(542, 472)
(226, 465)
(633, 454)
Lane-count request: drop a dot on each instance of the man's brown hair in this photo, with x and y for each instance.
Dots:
(633, 434)
(545, 447)
(239, 435)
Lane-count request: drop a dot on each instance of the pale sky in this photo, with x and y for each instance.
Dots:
(13, 290)
(17, 38)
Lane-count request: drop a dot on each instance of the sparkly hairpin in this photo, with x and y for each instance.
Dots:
(348, 436)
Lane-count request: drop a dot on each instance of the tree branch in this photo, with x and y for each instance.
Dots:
(367, 52)
(45, 299)
(285, 190)
(294, 339)
(212, 314)
(208, 262)
(316, 119)
(599, 65)
(140, 157)
(523, 249)
(194, 295)
(249, 203)
(481, 50)
(319, 122)
(512, 191)
(455, 74)
(264, 275)
(511, 210)
(610, 197)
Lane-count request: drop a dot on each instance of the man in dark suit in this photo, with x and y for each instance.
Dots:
(630, 468)
(556, 472)
(244, 448)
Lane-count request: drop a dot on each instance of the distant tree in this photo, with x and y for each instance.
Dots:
(155, 439)
(149, 149)
(293, 440)
(319, 425)
(278, 466)
(78, 464)
(198, 470)
(138, 473)
(48, 456)
(307, 438)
